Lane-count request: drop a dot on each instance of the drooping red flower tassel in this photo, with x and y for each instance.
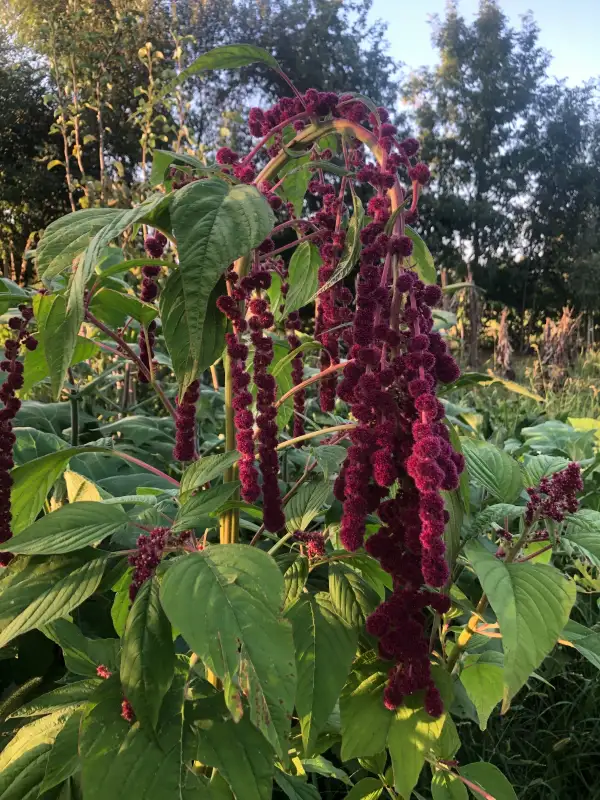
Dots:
(185, 424)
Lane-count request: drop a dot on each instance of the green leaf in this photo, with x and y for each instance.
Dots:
(305, 504)
(422, 257)
(204, 470)
(23, 761)
(82, 655)
(483, 679)
(241, 755)
(412, 736)
(63, 759)
(490, 779)
(120, 762)
(296, 788)
(351, 596)
(163, 159)
(32, 482)
(67, 237)
(148, 656)
(303, 278)
(365, 720)
(36, 366)
(330, 457)
(65, 698)
(69, 528)
(538, 467)
(114, 307)
(366, 789)
(446, 786)
(584, 640)
(57, 600)
(497, 514)
(226, 603)
(230, 56)
(493, 469)
(583, 530)
(452, 534)
(325, 648)
(174, 320)
(295, 182)
(323, 766)
(532, 603)
(351, 249)
(294, 581)
(194, 511)
(58, 333)
(214, 223)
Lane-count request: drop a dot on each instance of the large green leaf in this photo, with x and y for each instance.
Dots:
(423, 260)
(58, 333)
(120, 761)
(352, 246)
(36, 366)
(532, 603)
(148, 655)
(226, 603)
(204, 470)
(83, 655)
(32, 482)
(67, 237)
(351, 596)
(63, 758)
(114, 307)
(214, 223)
(493, 469)
(303, 277)
(241, 754)
(69, 528)
(538, 467)
(296, 788)
(446, 786)
(325, 648)
(294, 579)
(24, 759)
(584, 640)
(366, 789)
(175, 325)
(490, 779)
(196, 509)
(583, 530)
(55, 601)
(483, 679)
(305, 504)
(365, 720)
(295, 182)
(413, 735)
(231, 56)
(64, 698)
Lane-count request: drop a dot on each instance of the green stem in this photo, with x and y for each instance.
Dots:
(74, 401)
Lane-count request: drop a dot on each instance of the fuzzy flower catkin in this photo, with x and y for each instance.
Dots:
(13, 368)
(146, 558)
(556, 496)
(154, 246)
(185, 424)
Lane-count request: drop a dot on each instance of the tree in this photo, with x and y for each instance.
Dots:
(30, 195)
(470, 113)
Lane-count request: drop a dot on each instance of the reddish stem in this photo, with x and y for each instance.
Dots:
(313, 379)
(276, 129)
(533, 555)
(296, 242)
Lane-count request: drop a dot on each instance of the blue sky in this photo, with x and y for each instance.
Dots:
(569, 29)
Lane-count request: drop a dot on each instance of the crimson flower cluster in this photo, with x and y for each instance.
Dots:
(556, 495)
(127, 711)
(246, 295)
(155, 247)
(11, 404)
(185, 424)
(314, 542)
(146, 558)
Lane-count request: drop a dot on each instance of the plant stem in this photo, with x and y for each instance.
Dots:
(143, 464)
(74, 401)
(126, 349)
(313, 379)
(347, 426)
